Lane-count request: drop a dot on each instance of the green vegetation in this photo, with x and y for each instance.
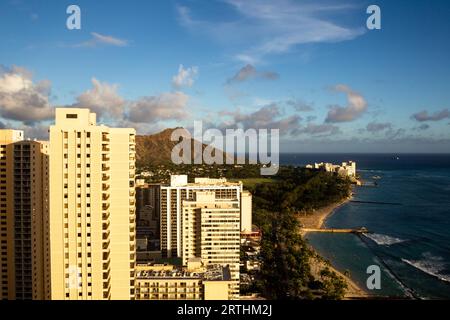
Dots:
(251, 183)
(286, 271)
(160, 173)
(300, 190)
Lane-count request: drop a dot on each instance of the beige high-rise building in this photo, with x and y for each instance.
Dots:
(24, 217)
(30, 234)
(92, 208)
(7, 281)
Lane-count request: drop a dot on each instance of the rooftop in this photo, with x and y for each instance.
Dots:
(209, 273)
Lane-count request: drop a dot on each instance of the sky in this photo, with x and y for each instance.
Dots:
(311, 69)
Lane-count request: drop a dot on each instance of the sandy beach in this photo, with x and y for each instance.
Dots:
(315, 220)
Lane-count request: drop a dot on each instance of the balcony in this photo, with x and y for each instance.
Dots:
(105, 177)
(106, 265)
(105, 196)
(105, 225)
(106, 256)
(105, 235)
(105, 187)
(105, 137)
(105, 157)
(105, 206)
(106, 277)
(105, 167)
(105, 246)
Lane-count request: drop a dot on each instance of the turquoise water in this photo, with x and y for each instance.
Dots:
(410, 241)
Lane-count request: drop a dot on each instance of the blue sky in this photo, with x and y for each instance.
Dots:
(310, 68)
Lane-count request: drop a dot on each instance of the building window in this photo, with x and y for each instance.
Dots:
(71, 116)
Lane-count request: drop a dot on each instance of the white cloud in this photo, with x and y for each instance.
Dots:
(374, 127)
(265, 27)
(166, 106)
(102, 99)
(267, 117)
(319, 129)
(184, 77)
(437, 116)
(21, 99)
(100, 39)
(357, 105)
(300, 105)
(249, 72)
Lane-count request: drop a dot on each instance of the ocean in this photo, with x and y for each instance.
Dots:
(410, 237)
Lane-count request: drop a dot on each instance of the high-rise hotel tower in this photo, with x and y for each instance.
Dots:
(25, 258)
(204, 220)
(92, 208)
(7, 137)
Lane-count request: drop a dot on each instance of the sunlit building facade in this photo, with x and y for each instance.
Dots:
(92, 208)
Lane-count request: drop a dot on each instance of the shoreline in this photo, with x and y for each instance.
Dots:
(315, 220)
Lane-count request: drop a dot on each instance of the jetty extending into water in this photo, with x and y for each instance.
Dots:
(377, 202)
(334, 230)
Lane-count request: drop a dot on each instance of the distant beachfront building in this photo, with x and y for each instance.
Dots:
(345, 169)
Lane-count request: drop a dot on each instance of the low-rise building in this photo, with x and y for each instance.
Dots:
(193, 282)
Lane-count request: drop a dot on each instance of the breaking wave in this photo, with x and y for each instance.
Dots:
(432, 266)
(383, 240)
